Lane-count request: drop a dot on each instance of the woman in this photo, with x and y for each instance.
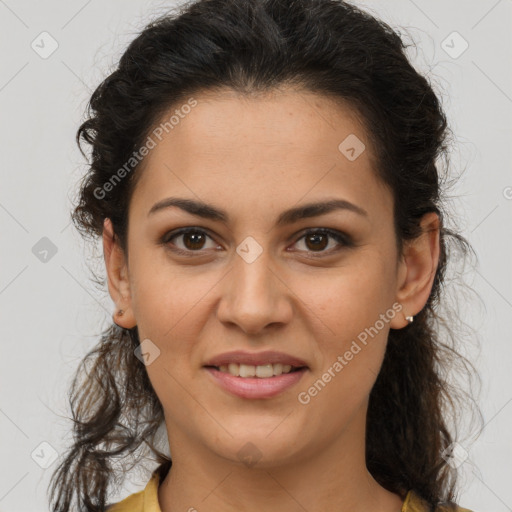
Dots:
(264, 178)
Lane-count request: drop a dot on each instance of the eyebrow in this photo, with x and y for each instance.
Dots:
(290, 216)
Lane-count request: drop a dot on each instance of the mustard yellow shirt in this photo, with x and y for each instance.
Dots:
(147, 501)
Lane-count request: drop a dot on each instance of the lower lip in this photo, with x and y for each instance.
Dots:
(256, 387)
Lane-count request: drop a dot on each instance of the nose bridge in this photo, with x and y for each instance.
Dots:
(254, 296)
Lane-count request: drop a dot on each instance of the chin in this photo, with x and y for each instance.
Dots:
(258, 450)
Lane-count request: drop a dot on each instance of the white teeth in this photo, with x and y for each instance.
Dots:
(265, 371)
(234, 369)
(262, 371)
(247, 370)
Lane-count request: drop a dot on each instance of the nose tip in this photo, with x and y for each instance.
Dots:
(254, 299)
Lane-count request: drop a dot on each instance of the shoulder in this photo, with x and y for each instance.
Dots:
(142, 501)
(414, 503)
(133, 503)
(451, 507)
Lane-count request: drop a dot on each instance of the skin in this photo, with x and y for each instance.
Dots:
(256, 157)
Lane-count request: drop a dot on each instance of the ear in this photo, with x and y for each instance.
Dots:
(417, 270)
(117, 275)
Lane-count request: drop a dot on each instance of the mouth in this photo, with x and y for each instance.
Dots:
(255, 374)
(255, 382)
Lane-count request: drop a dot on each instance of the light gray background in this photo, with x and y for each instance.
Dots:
(50, 312)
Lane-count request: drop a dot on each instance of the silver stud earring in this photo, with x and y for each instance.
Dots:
(409, 319)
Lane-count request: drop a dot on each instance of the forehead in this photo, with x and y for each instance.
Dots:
(228, 121)
(283, 145)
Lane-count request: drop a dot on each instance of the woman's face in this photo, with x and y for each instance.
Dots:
(253, 282)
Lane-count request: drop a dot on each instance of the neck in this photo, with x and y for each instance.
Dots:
(332, 478)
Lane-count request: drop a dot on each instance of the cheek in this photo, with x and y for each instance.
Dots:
(350, 311)
(351, 297)
(170, 313)
(350, 318)
(166, 298)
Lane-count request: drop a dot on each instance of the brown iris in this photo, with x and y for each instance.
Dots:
(315, 238)
(197, 240)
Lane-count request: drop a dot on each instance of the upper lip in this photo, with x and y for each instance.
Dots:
(255, 358)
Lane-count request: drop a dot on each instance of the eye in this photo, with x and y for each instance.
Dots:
(316, 240)
(193, 240)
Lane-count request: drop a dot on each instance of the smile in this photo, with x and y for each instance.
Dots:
(256, 382)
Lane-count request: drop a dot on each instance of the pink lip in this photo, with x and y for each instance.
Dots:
(255, 358)
(256, 387)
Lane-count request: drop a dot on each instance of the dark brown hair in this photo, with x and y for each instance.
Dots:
(327, 47)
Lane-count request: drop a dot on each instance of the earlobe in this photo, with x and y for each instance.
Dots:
(418, 268)
(117, 277)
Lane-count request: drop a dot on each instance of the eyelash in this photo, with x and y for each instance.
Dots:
(341, 238)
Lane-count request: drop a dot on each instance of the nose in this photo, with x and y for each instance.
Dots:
(255, 297)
